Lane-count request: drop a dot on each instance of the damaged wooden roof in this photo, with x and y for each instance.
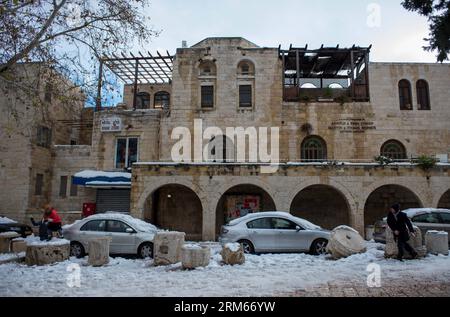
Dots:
(325, 62)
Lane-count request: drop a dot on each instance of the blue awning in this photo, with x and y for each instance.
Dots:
(91, 178)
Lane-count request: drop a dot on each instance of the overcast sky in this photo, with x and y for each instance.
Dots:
(396, 34)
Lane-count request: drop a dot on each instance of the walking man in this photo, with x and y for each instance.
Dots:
(402, 227)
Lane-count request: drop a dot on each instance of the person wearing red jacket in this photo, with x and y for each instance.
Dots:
(51, 220)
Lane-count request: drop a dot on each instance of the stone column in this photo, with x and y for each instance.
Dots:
(99, 251)
(209, 221)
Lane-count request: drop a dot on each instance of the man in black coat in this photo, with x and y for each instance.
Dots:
(402, 227)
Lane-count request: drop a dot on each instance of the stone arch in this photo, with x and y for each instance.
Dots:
(394, 149)
(246, 194)
(313, 148)
(175, 207)
(324, 205)
(157, 182)
(251, 71)
(444, 200)
(349, 196)
(399, 181)
(207, 67)
(161, 100)
(379, 200)
(245, 59)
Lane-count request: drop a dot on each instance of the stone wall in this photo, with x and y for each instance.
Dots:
(150, 89)
(21, 158)
(69, 160)
(143, 124)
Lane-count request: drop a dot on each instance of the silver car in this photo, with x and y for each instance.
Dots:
(275, 232)
(426, 219)
(129, 236)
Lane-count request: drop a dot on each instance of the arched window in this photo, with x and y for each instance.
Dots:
(394, 150)
(207, 68)
(162, 100)
(423, 95)
(142, 100)
(246, 68)
(404, 91)
(314, 148)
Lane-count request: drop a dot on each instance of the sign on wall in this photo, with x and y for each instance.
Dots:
(112, 124)
(241, 205)
(352, 125)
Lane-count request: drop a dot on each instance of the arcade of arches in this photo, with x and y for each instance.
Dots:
(200, 212)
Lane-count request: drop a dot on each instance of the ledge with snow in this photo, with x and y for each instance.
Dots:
(101, 179)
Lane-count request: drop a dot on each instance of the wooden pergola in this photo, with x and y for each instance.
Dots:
(135, 70)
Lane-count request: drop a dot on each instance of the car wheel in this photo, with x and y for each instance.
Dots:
(319, 247)
(77, 250)
(247, 246)
(145, 250)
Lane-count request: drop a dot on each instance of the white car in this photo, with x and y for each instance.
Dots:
(128, 235)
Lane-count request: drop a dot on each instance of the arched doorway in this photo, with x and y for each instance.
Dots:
(176, 208)
(239, 200)
(323, 205)
(379, 201)
(444, 202)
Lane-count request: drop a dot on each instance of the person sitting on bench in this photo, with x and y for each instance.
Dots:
(51, 220)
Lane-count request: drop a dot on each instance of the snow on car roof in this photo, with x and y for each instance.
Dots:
(304, 223)
(4, 220)
(136, 223)
(411, 213)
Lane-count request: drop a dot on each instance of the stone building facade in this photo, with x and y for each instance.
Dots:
(327, 140)
(34, 118)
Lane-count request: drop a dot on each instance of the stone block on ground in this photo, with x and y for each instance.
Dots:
(194, 256)
(5, 241)
(167, 247)
(233, 254)
(44, 253)
(391, 249)
(344, 242)
(18, 246)
(437, 242)
(98, 250)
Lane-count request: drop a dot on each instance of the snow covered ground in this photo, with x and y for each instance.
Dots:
(264, 275)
